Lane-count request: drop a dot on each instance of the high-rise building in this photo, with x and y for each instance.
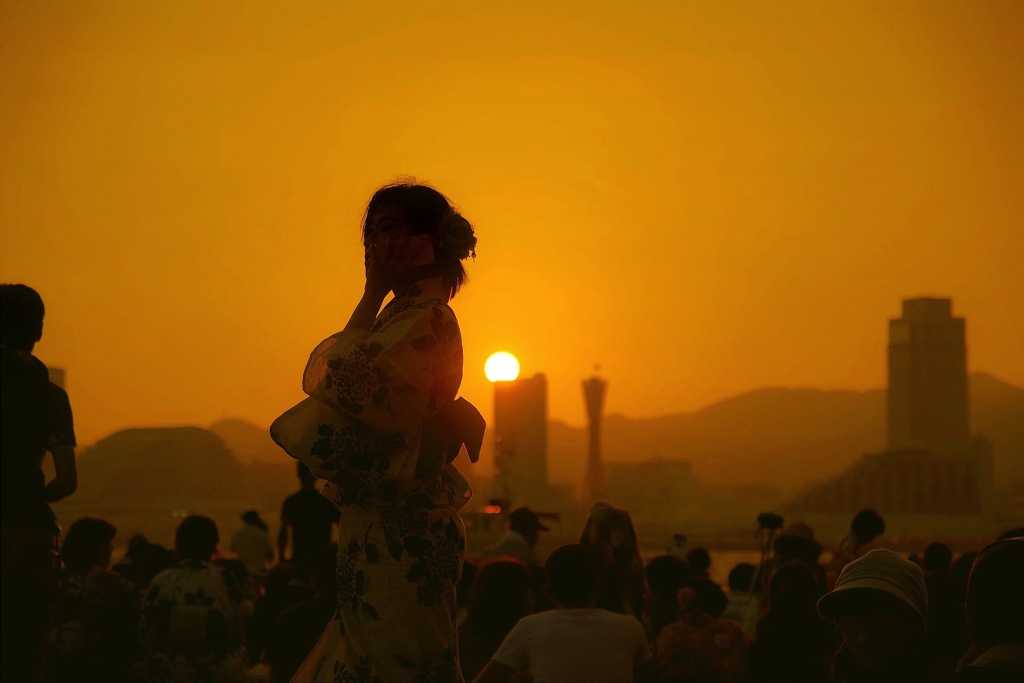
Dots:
(932, 476)
(521, 441)
(927, 399)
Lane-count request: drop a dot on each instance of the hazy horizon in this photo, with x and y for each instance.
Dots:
(701, 199)
(580, 424)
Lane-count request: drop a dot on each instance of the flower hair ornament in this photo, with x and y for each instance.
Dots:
(457, 238)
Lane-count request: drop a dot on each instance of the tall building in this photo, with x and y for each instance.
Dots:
(521, 441)
(932, 476)
(927, 399)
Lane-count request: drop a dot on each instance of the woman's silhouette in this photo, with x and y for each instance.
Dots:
(382, 425)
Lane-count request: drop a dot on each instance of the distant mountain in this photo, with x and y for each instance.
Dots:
(146, 480)
(249, 443)
(779, 438)
(784, 438)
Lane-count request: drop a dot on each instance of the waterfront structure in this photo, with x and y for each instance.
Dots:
(594, 391)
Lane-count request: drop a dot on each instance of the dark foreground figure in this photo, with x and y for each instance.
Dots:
(36, 420)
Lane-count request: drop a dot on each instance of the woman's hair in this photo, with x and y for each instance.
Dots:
(429, 212)
(83, 540)
(501, 596)
(197, 538)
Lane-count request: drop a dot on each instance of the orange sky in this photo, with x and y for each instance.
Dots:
(703, 198)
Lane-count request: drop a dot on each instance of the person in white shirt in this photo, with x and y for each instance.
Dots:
(252, 544)
(576, 641)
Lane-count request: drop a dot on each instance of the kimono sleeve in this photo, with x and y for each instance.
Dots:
(395, 378)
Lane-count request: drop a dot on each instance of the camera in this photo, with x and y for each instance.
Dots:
(769, 520)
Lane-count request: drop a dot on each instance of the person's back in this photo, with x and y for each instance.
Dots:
(252, 544)
(191, 619)
(311, 517)
(576, 642)
(24, 410)
(580, 644)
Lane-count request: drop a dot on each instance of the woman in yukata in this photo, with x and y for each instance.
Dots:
(382, 424)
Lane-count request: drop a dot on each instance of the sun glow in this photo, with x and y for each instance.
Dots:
(501, 367)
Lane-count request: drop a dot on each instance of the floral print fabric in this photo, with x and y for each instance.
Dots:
(191, 626)
(401, 540)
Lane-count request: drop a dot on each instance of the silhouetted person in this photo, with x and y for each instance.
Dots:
(744, 606)
(880, 605)
(666, 574)
(700, 562)
(95, 621)
(677, 546)
(299, 626)
(621, 581)
(36, 420)
(576, 641)
(793, 641)
(143, 560)
(867, 525)
(947, 620)
(524, 527)
(700, 645)
(308, 517)
(501, 596)
(995, 614)
(252, 544)
(192, 618)
(937, 559)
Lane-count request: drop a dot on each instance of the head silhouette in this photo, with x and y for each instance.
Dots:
(428, 212)
(21, 317)
(572, 577)
(197, 538)
(867, 525)
(88, 544)
(306, 477)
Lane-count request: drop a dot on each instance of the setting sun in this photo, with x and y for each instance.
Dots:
(501, 367)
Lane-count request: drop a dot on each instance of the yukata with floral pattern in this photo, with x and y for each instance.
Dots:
(191, 626)
(367, 428)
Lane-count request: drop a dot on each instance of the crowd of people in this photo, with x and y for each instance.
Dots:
(592, 611)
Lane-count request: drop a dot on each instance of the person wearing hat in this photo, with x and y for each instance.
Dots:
(524, 527)
(252, 544)
(880, 604)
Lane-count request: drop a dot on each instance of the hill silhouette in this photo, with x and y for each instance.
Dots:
(773, 437)
(249, 443)
(784, 438)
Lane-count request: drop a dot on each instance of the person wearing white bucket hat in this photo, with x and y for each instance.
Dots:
(880, 604)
